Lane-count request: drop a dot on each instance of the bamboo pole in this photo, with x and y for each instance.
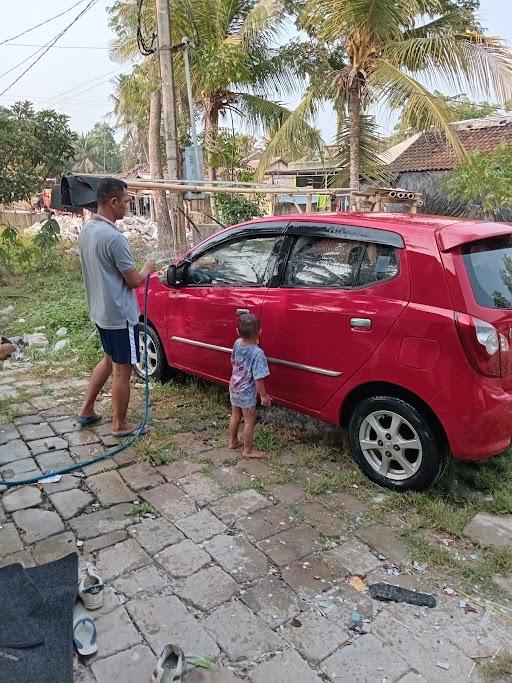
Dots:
(270, 189)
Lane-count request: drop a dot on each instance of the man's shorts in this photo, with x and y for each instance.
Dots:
(121, 345)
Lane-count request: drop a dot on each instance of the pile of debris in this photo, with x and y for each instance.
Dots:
(133, 227)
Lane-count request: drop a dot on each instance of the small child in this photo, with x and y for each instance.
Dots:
(249, 369)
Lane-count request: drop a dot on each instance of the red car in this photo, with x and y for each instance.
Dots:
(396, 327)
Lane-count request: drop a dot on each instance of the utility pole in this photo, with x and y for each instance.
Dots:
(169, 112)
(193, 133)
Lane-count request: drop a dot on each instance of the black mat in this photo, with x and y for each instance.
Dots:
(19, 600)
(52, 660)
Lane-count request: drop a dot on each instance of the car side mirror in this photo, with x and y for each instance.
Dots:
(170, 276)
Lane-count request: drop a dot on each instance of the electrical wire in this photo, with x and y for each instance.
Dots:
(58, 47)
(79, 87)
(144, 48)
(46, 21)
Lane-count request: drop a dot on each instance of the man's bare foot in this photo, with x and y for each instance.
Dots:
(254, 454)
(124, 428)
(235, 445)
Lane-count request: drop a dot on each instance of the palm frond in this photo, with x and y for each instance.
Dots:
(265, 17)
(417, 104)
(372, 168)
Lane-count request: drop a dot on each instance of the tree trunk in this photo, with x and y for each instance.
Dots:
(211, 133)
(165, 238)
(354, 122)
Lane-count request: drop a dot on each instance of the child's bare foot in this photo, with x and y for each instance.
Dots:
(254, 454)
(235, 445)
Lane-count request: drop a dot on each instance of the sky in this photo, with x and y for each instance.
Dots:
(75, 77)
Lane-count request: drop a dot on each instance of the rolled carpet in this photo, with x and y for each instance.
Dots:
(52, 660)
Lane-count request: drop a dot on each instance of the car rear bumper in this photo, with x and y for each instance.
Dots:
(476, 414)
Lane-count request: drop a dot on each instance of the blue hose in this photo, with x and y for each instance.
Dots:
(118, 449)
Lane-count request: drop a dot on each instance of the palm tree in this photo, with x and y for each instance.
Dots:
(86, 154)
(376, 52)
(234, 67)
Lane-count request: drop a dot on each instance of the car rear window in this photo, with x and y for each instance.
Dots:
(489, 266)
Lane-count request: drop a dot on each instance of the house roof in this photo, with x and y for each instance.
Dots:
(429, 151)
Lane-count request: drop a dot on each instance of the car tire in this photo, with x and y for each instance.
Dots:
(414, 456)
(157, 362)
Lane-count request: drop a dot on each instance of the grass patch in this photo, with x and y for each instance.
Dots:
(142, 509)
(499, 668)
(270, 440)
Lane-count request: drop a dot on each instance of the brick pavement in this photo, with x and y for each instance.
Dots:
(217, 566)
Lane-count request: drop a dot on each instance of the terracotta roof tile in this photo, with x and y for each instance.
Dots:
(431, 152)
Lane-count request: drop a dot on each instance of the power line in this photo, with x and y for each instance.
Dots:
(144, 48)
(46, 21)
(58, 47)
(79, 87)
(49, 46)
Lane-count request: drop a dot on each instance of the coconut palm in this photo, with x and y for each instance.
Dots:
(391, 52)
(86, 154)
(235, 66)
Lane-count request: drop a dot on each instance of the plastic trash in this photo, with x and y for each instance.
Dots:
(387, 592)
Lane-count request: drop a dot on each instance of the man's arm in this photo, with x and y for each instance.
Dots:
(135, 278)
(125, 263)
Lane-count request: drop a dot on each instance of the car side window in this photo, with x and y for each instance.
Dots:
(243, 263)
(323, 262)
(379, 263)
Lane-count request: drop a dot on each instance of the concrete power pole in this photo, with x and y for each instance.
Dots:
(169, 118)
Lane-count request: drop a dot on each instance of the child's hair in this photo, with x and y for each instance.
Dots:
(248, 325)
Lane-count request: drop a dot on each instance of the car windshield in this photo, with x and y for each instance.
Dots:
(489, 266)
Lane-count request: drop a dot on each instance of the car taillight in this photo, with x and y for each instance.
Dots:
(486, 348)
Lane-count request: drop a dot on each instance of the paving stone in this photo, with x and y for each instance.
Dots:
(255, 467)
(413, 678)
(155, 534)
(98, 467)
(120, 559)
(385, 542)
(238, 505)
(169, 501)
(240, 633)
(38, 524)
(71, 503)
(115, 633)
(10, 541)
(67, 482)
(85, 453)
(21, 497)
(399, 628)
(308, 576)
(272, 600)
(347, 503)
(231, 478)
(145, 581)
(7, 391)
(219, 456)
(54, 460)
(201, 488)
(266, 522)
(126, 457)
(28, 420)
(8, 432)
(285, 667)
(46, 403)
(26, 467)
(56, 411)
(179, 469)
(505, 582)
(191, 443)
(65, 426)
(201, 526)
(23, 557)
(13, 450)
(288, 493)
(141, 476)
(103, 522)
(208, 588)
(109, 488)
(366, 660)
(327, 523)
(217, 674)
(238, 557)
(182, 559)
(55, 547)
(31, 432)
(22, 409)
(354, 557)
(95, 544)
(487, 529)
(171, 423)
(131, 666)
(53, 443)
(111, 599)
(290, 545)
(317, 638)
(338, 603)
(164, 619)
(81, 437)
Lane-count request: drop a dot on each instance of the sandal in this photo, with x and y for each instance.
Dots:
(84, 635)
(87, 421)
(170, 665)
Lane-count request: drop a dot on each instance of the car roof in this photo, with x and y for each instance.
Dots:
(414, 228)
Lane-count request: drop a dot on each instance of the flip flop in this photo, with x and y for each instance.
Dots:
(139, 430)
(87, 421)
(170, 665)
(84, 635)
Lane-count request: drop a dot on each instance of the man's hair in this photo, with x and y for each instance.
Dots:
(248, 325)
(108, 188)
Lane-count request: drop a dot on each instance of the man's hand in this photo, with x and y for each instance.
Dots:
(266, 401)
(135, 278)
(149, 267)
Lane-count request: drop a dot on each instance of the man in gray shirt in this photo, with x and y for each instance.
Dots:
(110, 278)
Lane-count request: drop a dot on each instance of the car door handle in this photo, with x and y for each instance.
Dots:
(242, 311)
(361, 323)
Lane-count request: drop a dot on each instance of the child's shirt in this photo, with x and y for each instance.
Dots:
(249, 364)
